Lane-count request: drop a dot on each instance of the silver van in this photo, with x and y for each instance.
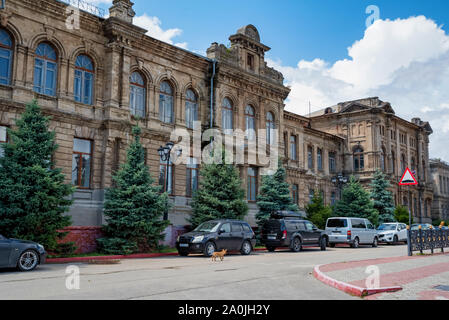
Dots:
(353, 231)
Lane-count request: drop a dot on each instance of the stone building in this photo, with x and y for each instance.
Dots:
(440, 175)
(375, 138)
(97, 77)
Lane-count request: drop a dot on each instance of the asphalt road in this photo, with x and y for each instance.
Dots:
(281, 275)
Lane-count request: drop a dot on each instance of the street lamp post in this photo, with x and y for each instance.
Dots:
(164, 154)
(340, 180)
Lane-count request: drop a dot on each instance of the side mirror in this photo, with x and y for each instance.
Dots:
(220, 231)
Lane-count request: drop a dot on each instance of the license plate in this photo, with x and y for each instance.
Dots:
(271, 237)
(184, 245)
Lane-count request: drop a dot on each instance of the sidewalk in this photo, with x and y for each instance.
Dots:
(422, 277)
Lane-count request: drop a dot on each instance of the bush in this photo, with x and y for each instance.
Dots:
(401, 214)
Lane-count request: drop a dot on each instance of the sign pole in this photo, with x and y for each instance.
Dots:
(408, 179)
(409, 229)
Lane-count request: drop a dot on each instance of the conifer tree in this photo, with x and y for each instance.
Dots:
(220, 195)
(134, 206)
(356, 202)
(274, 195)
(382, 197)
(317, 212)
(33, 196)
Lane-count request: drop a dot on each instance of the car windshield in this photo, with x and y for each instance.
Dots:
(337, 223)
(385, 227)
(207, 227)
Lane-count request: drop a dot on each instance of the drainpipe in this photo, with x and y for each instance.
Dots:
(214, 63)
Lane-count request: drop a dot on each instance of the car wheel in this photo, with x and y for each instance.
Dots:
(332, 245)
(356, 243)
(323, 244)
(395, 240)
(28, 260)
(296, 245)
(375, 242)
(271, 249)
(246, 248)
(209, 249)
(183, 253)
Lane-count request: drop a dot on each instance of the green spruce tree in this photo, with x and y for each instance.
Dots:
(274, 195)
(33, 196)
(317, 212)
(220, 195)
(134, 206)
(382, 197)
(356, 202)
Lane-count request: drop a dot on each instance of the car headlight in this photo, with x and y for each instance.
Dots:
(198, 239)
(41, 247)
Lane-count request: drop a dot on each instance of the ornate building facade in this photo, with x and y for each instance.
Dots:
(98, 77)
(440, 175)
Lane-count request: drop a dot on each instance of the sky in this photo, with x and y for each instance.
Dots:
(330, 51)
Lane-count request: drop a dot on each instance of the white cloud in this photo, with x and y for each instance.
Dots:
(153, 25)
(405, 62)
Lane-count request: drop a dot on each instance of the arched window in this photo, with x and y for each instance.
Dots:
(271, 127)
(403, 163)
(359, 159)
(413, 164)
(250, 122)
(6, 54)
(166, 112)
(227, 115)
(84, 79)
(137, 95)
(45, 70)
(191, 108)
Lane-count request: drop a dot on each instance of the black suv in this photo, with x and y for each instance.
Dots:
(217, 235)
(289, 230)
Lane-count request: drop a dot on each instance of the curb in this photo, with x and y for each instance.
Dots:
(132, 256)
(349, 288)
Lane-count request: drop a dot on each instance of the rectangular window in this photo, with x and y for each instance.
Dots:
(311, 195)
(333, 198)
(192, 177)
(332, 162)
(252, 184)
(3, 140)
(250, 61)
(166, 177)
(320, 159)
(81, 163)
(293, 148)
(310, 158)
(295, 194)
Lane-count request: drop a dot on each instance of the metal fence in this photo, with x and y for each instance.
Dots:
(87, 6)
(433, 239)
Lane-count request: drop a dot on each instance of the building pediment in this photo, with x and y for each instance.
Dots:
(352, 107)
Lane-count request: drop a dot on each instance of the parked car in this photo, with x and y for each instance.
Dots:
(352, 231)
(290, 230)
(217, 235)
(21, 254)
(392, 232)
(424, 226)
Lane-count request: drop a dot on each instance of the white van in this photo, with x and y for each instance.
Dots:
(353, 231)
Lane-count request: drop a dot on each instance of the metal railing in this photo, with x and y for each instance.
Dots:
(430, 239)
(86, 6)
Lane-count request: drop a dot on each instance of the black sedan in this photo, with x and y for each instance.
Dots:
(21, 254)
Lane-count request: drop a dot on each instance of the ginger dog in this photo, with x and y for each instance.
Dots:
(220, 255)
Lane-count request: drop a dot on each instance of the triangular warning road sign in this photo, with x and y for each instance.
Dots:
(408, 179)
